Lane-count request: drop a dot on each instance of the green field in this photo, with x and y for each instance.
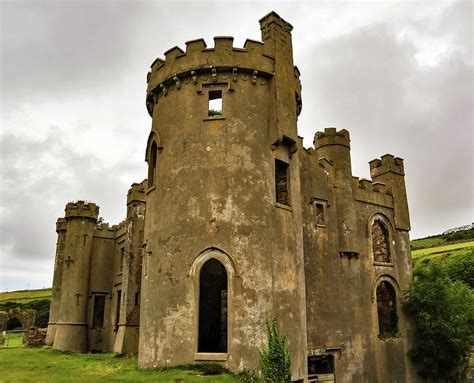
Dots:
(455, 247)
(457, 259)
(44, 365)
(25, 296)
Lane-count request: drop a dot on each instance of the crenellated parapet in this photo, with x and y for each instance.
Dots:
(198, 64)
(61, 225)
(368, 191)
(331, 136)
(390, 170)
(137, 192)
(120, 228)
(387, 163)
(82, 209)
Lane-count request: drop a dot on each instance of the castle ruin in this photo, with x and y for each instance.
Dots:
(236, 223)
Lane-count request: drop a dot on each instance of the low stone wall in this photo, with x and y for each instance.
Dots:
(34, 336)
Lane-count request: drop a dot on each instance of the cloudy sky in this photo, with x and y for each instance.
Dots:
(397, 75)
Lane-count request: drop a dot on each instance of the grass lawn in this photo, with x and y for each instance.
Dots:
(25, 296)
(43, 364)
(12, 339)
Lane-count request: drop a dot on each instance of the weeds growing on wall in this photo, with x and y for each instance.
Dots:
(275, 358)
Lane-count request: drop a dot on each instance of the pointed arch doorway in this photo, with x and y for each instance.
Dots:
(213, 306)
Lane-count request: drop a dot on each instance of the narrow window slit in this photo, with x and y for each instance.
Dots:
(281, 182)
(98, 315)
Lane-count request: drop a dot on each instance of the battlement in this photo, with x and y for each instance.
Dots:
(368, 191)
(137, 192)
(61, 224)
(371, 186)
(120, 225)
(82, 209)
(331, 136)
(387, 163)
(183, 66)
(275, 18)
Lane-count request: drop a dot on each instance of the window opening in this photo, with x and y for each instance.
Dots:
(320, 219)
(321, 368)
(213, 307)
(387, 310)
(281, 182)
(380, 242)
(215, 103)
(152, 165)
(137, 298)
(117, 312)
(98, 313)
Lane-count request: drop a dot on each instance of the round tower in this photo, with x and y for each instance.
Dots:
(223, 246)
(61, 229)
(335, 147)
(71, 325)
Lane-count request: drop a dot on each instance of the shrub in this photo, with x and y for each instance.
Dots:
(42, 319)
(444, 312)
(275, 359)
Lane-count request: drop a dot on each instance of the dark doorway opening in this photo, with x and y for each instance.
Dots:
(321, 368)
(212, 307)
(13, 324)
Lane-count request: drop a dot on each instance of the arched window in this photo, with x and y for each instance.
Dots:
(387, 310)
(152, 165)
(212, 307)
(380, 242)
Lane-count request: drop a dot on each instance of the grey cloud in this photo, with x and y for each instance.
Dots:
(370, 83)
(366, 80)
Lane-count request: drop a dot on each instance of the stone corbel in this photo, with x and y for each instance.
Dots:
(288, 142)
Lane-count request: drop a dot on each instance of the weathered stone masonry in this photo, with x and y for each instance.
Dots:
(236, 223)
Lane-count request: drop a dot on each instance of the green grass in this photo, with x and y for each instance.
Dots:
(25, 296)
(41, 365)
(12, 340)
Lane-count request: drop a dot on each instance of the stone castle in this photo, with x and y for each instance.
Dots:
(237, 223)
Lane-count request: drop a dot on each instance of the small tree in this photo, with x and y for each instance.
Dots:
(444, 311)
(275, 359)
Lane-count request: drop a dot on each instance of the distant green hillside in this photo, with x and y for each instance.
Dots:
(457, 258)
(25, 296)
(439, 239)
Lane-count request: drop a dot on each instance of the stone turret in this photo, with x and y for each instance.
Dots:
(126, 340)
(334, 146)
(71, 325)
(61, 230)
(390, 171)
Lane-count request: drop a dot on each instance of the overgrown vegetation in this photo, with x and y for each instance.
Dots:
(456, 259)
(444, 312)
(41, 306)
(275, 358)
